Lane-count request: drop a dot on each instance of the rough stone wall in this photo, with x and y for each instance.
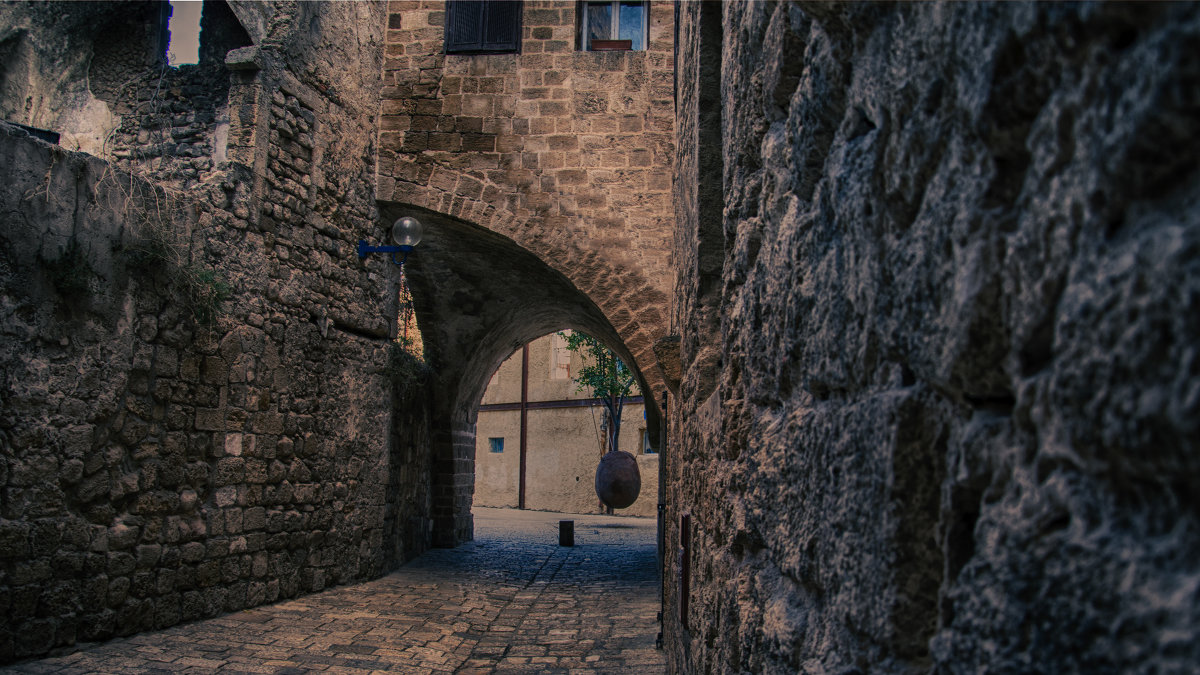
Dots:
(96, 72)
(953, 425)
(569, 153)
(47, 54)
(118, 47)
(407, 502)
(156, 469)
(174, 122)
(169, 124)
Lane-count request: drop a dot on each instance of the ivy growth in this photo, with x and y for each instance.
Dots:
(206, 290)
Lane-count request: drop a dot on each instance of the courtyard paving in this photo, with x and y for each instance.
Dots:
(512, 601)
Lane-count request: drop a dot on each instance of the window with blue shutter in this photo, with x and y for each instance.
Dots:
(487, 27)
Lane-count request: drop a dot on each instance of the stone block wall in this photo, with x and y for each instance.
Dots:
(97, 74)
(172, 124)
(567, 152)
(158, 468)
(950, 424)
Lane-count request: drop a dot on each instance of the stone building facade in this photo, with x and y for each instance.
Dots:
(562, 434)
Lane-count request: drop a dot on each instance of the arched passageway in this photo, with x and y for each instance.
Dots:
(479, 296)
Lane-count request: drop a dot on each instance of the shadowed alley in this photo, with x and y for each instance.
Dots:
(511, 601)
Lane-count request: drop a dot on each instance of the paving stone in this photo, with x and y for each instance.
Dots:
(512, 601)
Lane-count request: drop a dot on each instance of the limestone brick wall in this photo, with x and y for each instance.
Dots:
(568, 153)
(950, 424)
(157, 467)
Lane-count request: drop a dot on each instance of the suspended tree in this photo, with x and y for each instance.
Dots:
(605, 377)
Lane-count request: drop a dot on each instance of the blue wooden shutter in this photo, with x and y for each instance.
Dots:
(493, 26)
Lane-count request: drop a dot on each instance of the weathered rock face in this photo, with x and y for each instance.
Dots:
(157, 469)
(97, 74)
(173, 122)
(952, 421)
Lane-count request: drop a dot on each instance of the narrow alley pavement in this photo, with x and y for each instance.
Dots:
(512, 601)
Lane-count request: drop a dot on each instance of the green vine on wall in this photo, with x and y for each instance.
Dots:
(406, 364)
(206, 291)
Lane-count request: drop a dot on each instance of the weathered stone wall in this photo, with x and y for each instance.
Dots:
(97, 73)
(156, 469)
(172, 123)
(47, 54)
(953, 424)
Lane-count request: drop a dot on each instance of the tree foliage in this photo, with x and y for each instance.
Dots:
(604, 376)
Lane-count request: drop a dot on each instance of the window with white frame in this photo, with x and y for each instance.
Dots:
(614, 26)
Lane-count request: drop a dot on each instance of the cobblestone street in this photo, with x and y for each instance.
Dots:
(512, 601)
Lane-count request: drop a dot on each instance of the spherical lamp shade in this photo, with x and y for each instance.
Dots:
(407, 232)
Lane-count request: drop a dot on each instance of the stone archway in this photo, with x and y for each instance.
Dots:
(478, 296)
(612, 271)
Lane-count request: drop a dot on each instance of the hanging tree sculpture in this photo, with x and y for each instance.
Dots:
(608, 379)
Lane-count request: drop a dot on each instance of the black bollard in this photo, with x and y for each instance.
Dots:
(566, 533)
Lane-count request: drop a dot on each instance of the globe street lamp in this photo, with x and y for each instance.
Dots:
(406, 232)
